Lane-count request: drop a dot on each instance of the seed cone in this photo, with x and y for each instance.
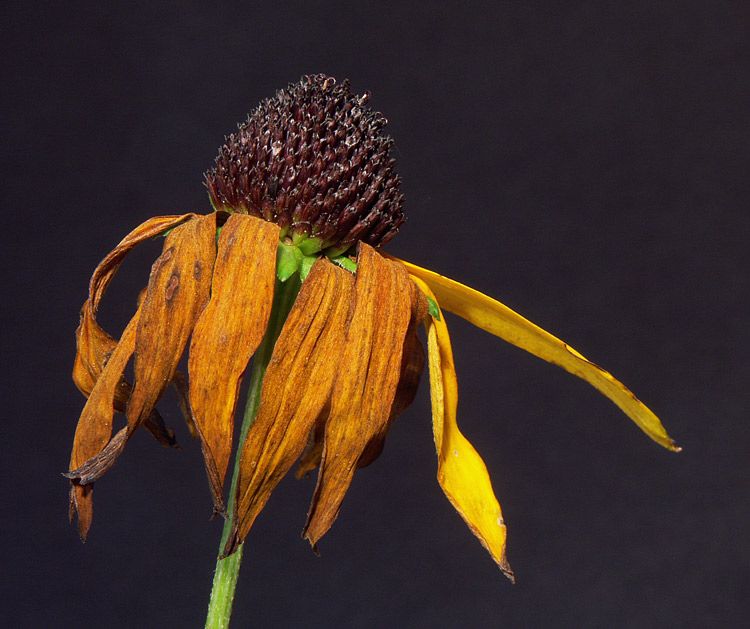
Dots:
(314, 160)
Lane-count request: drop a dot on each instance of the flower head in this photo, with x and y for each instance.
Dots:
(314, 160)
(305, 181)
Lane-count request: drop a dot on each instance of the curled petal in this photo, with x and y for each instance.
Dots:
(365, 387)
(94, 345)
(95, 425)
(227, 333)
(164, 323)
(157, 333)
(178, 289)
(461, 472)
(296, 389)
(498, 319)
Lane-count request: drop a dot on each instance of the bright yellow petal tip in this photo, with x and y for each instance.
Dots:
(498, 319)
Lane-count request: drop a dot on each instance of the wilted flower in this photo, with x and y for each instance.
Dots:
(304, 192)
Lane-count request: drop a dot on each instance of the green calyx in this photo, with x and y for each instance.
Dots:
(299, 258)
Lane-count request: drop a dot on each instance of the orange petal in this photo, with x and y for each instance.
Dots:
(461, 472)
(365, 387)
(178, 289)
(296, 389)
(95, 424)
(94, 345)
(412, 365)
(498, 319)
(228, 332)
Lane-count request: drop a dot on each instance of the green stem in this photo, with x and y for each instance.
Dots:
(227, 570)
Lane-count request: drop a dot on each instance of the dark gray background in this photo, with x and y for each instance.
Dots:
(585, 163)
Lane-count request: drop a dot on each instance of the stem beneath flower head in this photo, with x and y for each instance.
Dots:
(227, 570)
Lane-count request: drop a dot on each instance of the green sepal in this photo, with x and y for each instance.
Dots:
(305, 266)
(345, 263)
(433, 308)
(310, 246)
(288, 260)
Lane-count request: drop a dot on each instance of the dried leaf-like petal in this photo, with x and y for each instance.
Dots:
(412, 365)
(95, 424)
(296, 389)
(94, 345)
(462, 474)
(178, 290)
(227, 333)
(496, 318)
(366, 383)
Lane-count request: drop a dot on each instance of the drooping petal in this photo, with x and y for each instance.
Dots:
(296, 389)
(178, 290)
(412, 365)
(498, 319)
(462, 474)
(167, 315)
(95, 424)
(227, 333)
(370, 367)
(94, 345)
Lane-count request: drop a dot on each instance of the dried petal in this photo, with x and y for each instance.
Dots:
(296, 389)
(227, 333)
(94, 345)
(95, 424)
(366, 383)
(412, 365)
(178, 289)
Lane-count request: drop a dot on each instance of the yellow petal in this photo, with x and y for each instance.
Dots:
(497, 319)
(462, 474)
(227, 333)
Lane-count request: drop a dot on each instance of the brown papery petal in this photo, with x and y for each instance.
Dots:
(95, 424)
(412, 365)
(296, 389)
(228, 332)
(370, 367)
(178, 289)
(94, 345)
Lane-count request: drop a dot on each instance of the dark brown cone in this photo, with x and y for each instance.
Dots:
(313, 159)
